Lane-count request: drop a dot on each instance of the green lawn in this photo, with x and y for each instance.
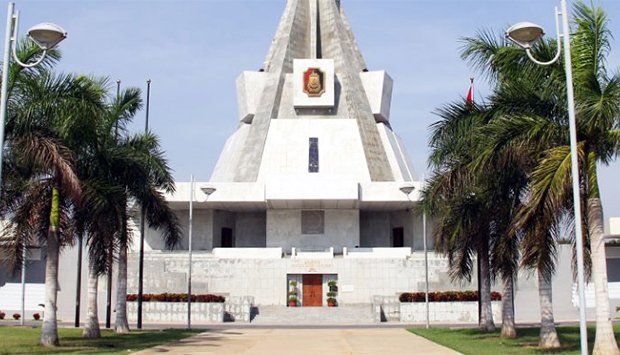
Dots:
(475, 342)
(25, 340)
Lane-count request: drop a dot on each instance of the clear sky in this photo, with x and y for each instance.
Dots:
(194, 50)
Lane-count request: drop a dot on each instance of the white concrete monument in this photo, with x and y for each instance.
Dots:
(314, 168)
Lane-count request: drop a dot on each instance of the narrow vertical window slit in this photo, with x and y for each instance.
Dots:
(313, 155)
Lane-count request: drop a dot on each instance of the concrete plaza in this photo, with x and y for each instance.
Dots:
(303, 341)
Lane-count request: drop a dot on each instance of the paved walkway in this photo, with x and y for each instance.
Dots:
(303, 341)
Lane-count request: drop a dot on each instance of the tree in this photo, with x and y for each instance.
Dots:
(459, 199)
(539, 120)
(40, 186)
(119, 168)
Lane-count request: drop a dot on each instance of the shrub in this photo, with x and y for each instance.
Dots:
(36, 316)
(16, 316)
(176, 297)
(447, 296)
(2, 315)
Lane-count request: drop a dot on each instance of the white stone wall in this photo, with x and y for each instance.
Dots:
(250, 229)
(341, 154)
(202, 232)
(266, 279)
(176, 312)
(341, 230)
(376, 229)
(446, 312)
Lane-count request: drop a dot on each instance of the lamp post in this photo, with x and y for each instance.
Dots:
(407, 189)
(45, 35)
(525, 34)
(208, 190)
(24, 256)
(142, 220)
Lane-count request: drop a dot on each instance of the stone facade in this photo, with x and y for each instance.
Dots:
(446, 312)
(176, 312)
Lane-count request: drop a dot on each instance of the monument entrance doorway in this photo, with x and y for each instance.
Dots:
(312, 290)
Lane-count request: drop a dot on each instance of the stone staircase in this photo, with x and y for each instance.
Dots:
(342, 315)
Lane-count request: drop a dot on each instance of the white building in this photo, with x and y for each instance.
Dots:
(309, 185)
(308, 188)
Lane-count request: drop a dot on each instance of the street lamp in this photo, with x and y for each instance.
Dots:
(407, 189)
(207, 190)
(524, 34)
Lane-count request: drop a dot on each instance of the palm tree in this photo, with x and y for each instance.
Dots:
(40, 187)
(539, 120)
(458, 199)
(145, 177)
(117, 169)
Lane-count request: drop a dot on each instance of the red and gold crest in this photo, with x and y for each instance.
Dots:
(314, 82)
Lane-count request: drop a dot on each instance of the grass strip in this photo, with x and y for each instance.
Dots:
(475, 342)
(25, 340)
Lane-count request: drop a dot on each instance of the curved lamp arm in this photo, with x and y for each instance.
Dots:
(559, 41)
(14, 45)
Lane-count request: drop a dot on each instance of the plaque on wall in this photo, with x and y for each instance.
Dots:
(314, 83)
(312, 222)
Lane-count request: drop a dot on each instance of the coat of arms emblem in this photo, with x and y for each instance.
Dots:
(314, 84)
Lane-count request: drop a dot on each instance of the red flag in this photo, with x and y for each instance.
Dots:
(470, 93)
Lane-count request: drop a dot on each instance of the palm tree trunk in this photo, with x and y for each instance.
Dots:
(508, 310)
(49, 330)
(486, 314)
(548, 335)
(605, 342)
(121, 325)
(91, 327)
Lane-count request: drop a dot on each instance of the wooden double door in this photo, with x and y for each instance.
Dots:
(312, 290)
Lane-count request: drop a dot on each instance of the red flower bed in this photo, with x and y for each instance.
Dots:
(448, 296)
(176, 297)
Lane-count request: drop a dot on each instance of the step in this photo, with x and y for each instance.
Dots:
(344, 314)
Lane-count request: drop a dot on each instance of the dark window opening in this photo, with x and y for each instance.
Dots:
(398, 237)
(313, 155)
(227, 238)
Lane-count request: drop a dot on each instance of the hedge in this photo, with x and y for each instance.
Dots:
(448, 296)
(176, 297)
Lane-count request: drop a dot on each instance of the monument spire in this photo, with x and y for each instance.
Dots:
(308, 30)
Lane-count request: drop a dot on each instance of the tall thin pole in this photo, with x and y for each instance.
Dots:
(428, 321)
(24, 255)
(148, 105)
(5, 78)
(142, 218)
(118, 94)
(78, 283)
(575, 177)
(108, 307)
(108, 304)
(189, 236)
